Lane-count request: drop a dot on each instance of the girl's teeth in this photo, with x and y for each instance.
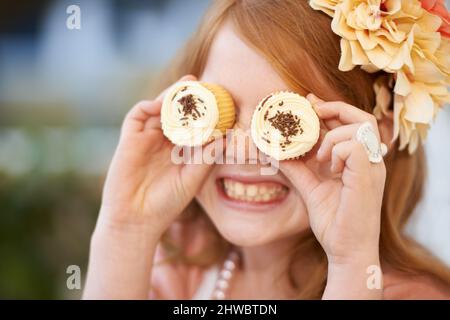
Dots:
(252, 191)
(239, 189)
(258, 192)
(262, 190)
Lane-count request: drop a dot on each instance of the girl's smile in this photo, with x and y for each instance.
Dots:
(251, 192)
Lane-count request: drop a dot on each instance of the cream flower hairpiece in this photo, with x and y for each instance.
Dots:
(410, 41)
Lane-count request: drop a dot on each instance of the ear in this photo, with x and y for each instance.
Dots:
(386, 128)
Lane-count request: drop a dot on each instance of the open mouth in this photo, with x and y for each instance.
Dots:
(252, 192)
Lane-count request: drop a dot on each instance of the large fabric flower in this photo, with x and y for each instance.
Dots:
(376, 34)
(403, 39)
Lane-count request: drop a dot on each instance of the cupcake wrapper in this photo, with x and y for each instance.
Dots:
(225, 105)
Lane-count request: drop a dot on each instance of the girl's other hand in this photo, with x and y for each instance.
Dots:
(344, 213)
(144, 189)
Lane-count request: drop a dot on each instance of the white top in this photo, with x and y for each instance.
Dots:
(206, 288)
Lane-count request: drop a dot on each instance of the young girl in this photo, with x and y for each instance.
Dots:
(325, 224)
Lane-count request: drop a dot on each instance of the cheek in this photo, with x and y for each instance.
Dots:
(244, 117)
(207, 196)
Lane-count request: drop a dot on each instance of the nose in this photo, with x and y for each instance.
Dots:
(244, 115)
(240, 147)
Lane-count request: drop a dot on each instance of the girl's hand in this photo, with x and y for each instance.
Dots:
(144, 192)
(344, 211)
(144, 188)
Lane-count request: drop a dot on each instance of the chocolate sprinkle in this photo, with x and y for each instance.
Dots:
(189, 106)
(287, 124)
(266, 140)
(265, 100)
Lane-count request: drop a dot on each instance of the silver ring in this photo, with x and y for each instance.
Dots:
(367, 137)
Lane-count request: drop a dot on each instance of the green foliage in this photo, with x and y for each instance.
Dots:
(46, 223)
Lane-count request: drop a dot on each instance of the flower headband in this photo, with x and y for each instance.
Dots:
(407, 39)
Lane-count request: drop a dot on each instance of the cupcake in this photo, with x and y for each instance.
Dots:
(194, 113)
(285, 126)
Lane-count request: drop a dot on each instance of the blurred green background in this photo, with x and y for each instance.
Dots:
(63, 94)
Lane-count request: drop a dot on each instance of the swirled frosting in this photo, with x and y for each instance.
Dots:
(189, 114)
(285, 126)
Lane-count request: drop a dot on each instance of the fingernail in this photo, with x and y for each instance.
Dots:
(333, 168)
(313, 98)
(317, 111)
(315, 102)
(320, 150)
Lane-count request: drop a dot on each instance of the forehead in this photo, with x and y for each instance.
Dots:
(246, 74)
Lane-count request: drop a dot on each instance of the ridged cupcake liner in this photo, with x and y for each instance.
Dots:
(225, 106)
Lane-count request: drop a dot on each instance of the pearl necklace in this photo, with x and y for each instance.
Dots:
(225, 275)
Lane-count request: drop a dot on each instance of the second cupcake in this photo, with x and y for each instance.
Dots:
(285, 126)
(194, 113)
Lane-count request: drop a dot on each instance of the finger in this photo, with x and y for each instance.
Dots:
(153, 123)
(333, 137)
(188, 77)
(329, 124)
(349, 154)
(332, 123)
(303, 178)
(345, 113)
(136, 118)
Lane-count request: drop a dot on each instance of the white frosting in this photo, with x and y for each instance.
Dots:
(196, 127)
(304, 123)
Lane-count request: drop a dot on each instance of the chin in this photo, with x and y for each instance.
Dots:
(252, 210)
